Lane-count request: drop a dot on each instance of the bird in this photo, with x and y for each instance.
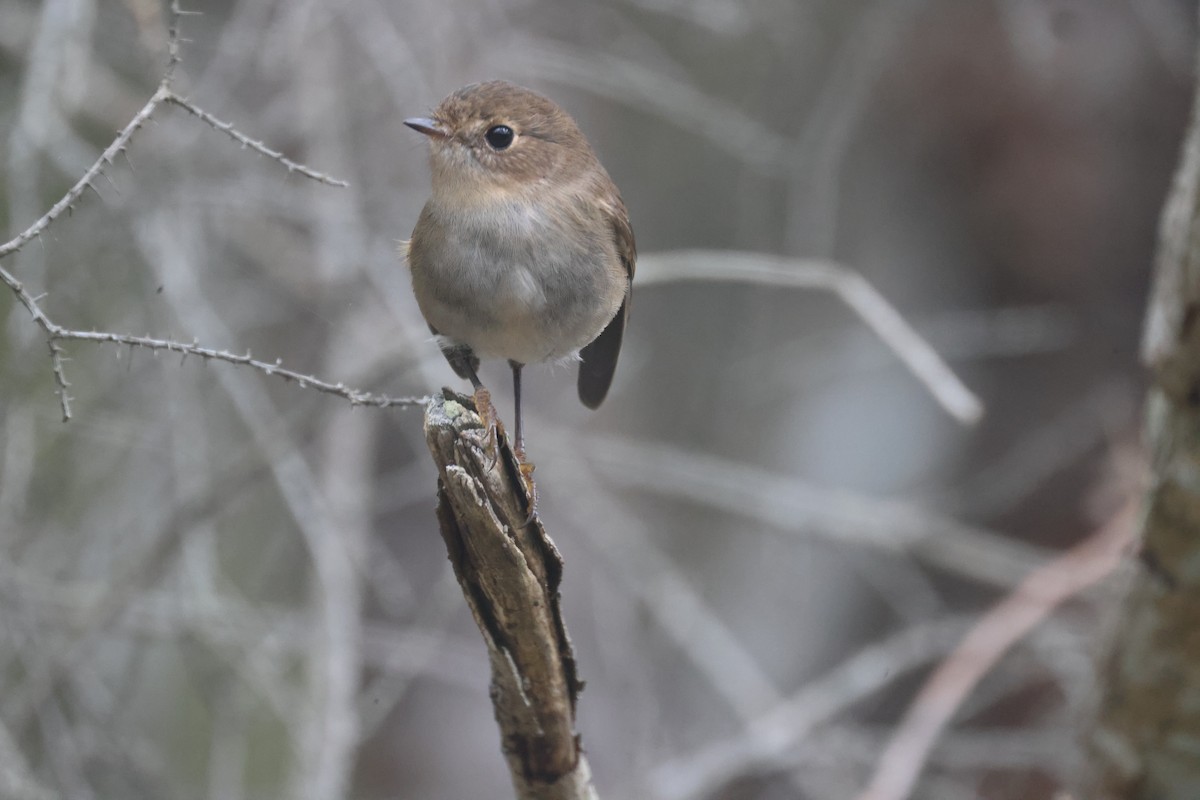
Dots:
(524, 250)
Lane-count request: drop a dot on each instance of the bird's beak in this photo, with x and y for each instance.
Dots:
(429, 127)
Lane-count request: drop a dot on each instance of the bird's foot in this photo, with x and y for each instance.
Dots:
(491, 424)
(526, 469)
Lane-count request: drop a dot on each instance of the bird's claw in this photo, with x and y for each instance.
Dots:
(526, 469)
(491, 424)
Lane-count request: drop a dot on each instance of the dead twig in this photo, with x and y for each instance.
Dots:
(509, 572)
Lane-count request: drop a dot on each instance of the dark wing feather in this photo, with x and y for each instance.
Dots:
(600, 357)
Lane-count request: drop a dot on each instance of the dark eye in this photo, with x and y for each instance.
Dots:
(499, 137)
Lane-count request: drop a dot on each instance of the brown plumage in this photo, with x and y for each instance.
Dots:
(524, 251)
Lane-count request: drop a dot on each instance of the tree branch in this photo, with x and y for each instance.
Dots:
(55, 332)
(850, 287)
(509, 572)
(1145, 742)
(245, 141)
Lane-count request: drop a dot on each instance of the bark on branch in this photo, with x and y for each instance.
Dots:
(509, 572)
(1146, 743)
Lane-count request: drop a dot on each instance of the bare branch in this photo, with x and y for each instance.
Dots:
(355, 396)
(853, 289)
(173, 40)
(777, 731)
(60, 378)
(56, 332)
(981, 649)
(800, 507)
(106, 158)
(672, 598)
(255, 145)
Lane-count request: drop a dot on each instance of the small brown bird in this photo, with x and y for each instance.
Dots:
(524, 250)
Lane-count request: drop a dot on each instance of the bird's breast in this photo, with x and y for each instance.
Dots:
(518, 280)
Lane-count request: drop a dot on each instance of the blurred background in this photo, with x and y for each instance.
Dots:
(214, 584)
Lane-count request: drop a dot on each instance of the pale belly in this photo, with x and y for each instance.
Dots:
(518, 294)
(512, 318)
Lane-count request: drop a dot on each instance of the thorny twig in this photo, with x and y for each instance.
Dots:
(246, 141)
(56, 333)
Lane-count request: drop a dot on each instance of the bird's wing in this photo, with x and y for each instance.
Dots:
(600, 357)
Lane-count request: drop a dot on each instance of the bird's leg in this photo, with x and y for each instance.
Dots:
(524, 466)
(463, 362)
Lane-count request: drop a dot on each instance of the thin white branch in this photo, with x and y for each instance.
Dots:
(669, 597)
(796, 506)
(852, 288)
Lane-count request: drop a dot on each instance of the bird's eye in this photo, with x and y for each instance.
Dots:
(499, 137)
